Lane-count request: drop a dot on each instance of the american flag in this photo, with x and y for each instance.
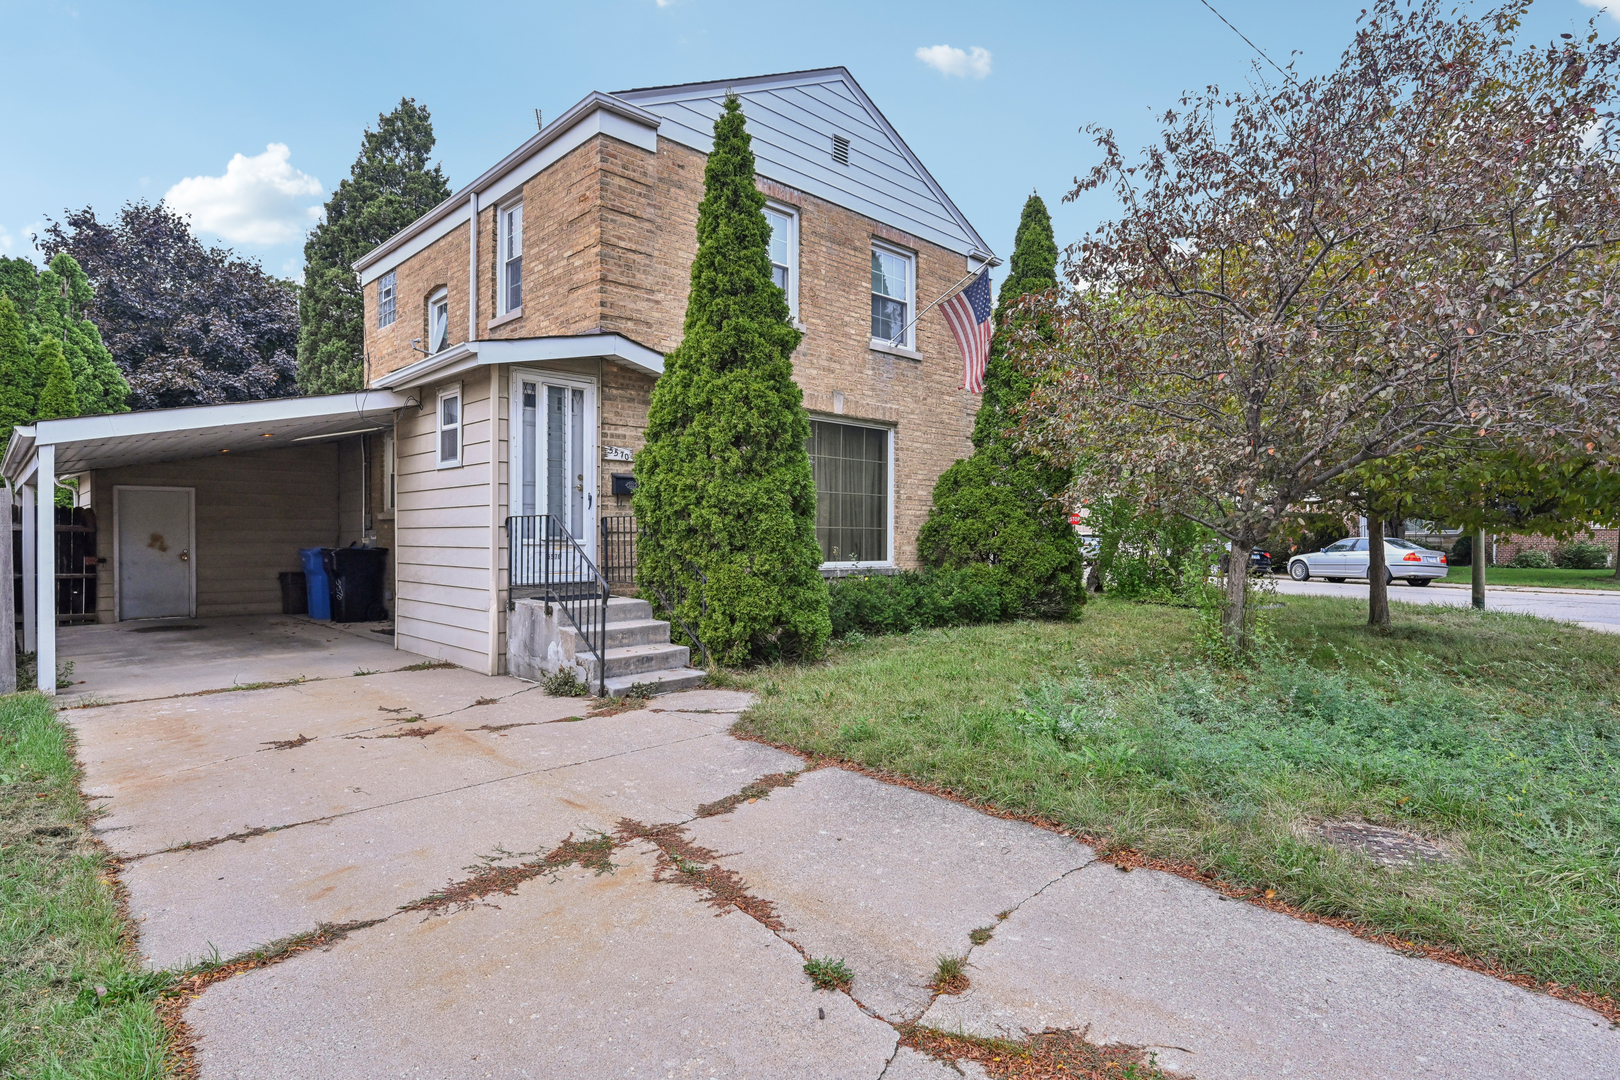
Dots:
(968, 313)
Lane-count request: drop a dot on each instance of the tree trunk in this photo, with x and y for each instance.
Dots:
(8, 602)
(1477, 571)
(1237, 594)
(1377, 575)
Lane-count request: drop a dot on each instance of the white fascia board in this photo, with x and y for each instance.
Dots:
(464, 357)
(596, 114)
(19, 460)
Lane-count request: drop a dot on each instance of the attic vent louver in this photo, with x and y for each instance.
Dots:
(840, 150)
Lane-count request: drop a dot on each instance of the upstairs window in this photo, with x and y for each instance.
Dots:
(511, 258)
(891, 296)
(439, 321)
(785, 253)
(385, 299)
(450, 427)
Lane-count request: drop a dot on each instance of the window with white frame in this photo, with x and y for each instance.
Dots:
(511, 258)
(438, 321)
(851, 465)
(892, 280)
(784, 225)
(389, 484)
(450, 427)
(386, 286)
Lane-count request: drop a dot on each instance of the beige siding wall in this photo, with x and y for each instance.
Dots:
(254, 511)
(442, 554)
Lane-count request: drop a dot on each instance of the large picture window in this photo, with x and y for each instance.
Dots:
(851, 467)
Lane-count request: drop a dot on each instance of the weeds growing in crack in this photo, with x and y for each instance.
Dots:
(427, 665)
(591, 854)
(408, 733)
(684, 863)
(829, 974)
(981, 935)
(487, 701)
(285, 744)
(950, 975)
(1046, 1055)
(506, 727)
(759, 789)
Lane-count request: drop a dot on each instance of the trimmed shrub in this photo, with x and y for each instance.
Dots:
(1581, 555)
(917, 599)
(1532, 559)
(1462, 552)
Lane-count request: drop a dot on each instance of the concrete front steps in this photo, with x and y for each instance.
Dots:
(639, 651)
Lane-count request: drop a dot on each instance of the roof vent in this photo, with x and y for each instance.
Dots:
(840, 150)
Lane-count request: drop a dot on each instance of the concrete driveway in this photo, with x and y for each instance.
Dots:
(1595, 609)
(505, 885)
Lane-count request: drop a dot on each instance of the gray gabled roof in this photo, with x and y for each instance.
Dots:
(793, 118)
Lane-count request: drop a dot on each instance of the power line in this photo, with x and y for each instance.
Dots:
(1251, 44)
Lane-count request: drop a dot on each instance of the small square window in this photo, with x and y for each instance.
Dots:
(784, 247)
(892, 275)
(511, 259)
(438, 322)
(450, 428)
(385, 299)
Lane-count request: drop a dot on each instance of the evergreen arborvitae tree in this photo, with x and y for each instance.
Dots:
(998, 509)
(388, 187)
(59, 398)
(725, 496)
(17, 367)
(64, 294)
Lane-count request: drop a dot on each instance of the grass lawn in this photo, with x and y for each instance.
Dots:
(1495, 735)
(1546, 579)
(74, 1001)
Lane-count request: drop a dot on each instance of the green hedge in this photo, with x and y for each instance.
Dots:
(913, 599)
(1581, 555)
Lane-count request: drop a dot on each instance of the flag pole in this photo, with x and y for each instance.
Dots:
(901, 336)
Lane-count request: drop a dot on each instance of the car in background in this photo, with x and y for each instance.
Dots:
(1351, 557)
(1259, 561)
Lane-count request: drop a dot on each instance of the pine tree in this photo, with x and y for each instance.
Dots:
(725, 495)
(64, 295)
(999, 508)
(389, 186)
(17, 367)
(58, 399)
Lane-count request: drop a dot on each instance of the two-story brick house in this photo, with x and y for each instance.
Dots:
(536, 336)
(513, 337)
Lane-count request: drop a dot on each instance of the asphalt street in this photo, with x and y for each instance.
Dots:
(1595, 609)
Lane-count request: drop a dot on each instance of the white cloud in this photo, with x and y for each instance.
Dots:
(1601, 5)
(949, 60)
(260, 199)
(20, 244)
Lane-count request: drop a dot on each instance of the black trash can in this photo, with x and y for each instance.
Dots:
(294, 593)
(356, 575)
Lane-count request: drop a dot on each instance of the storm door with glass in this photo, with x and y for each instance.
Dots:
(553, 469)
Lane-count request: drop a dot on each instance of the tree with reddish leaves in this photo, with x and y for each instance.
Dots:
(187, 324)
(1306, 278)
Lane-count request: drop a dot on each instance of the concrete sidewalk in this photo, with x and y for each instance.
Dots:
(437, 817)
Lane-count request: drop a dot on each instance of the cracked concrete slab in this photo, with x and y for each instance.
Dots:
(883, 876)
(908, 1064)
(238, 895)
(586, 977)
(1228, 990)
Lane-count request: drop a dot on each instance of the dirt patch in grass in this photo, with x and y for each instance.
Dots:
(684, 863)
(1047, 1055)
(759, 789)
(593, 853)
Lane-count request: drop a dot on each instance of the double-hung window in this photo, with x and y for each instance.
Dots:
(386, 287)
(438, 321)
(851, 466)
(892, 280)
(785, 253)
(450, 427)
(511, 258)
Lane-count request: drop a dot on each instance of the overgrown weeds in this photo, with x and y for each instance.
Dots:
(564, 682)
(829, 974)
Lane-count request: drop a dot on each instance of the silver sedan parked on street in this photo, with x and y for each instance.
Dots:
(1350, 558)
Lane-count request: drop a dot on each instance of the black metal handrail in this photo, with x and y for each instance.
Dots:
(545, 562)
(619, 536)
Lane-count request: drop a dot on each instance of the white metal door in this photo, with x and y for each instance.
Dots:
(554, 454)
(153, 552)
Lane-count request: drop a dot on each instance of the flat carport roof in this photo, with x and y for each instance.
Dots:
(38, 454)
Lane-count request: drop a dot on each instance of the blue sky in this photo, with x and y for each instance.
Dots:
(250, 113)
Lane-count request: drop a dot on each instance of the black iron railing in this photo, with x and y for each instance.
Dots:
(618, 551)
(545, 562)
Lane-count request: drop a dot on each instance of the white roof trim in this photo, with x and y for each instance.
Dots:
(96, 442)
(596, 113)
(470, 354)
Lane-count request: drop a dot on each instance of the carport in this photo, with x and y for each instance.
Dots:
(222, 496)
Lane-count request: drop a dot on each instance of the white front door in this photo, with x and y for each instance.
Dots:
(554, 453)
(153, 553)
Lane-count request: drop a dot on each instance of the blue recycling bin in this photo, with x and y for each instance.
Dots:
(320, 586)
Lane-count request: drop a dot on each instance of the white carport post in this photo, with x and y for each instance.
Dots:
(26, 568)
(45, 564)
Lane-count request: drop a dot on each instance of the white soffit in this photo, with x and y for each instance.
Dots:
(467, 355)
(142, 438)
(792, 119)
